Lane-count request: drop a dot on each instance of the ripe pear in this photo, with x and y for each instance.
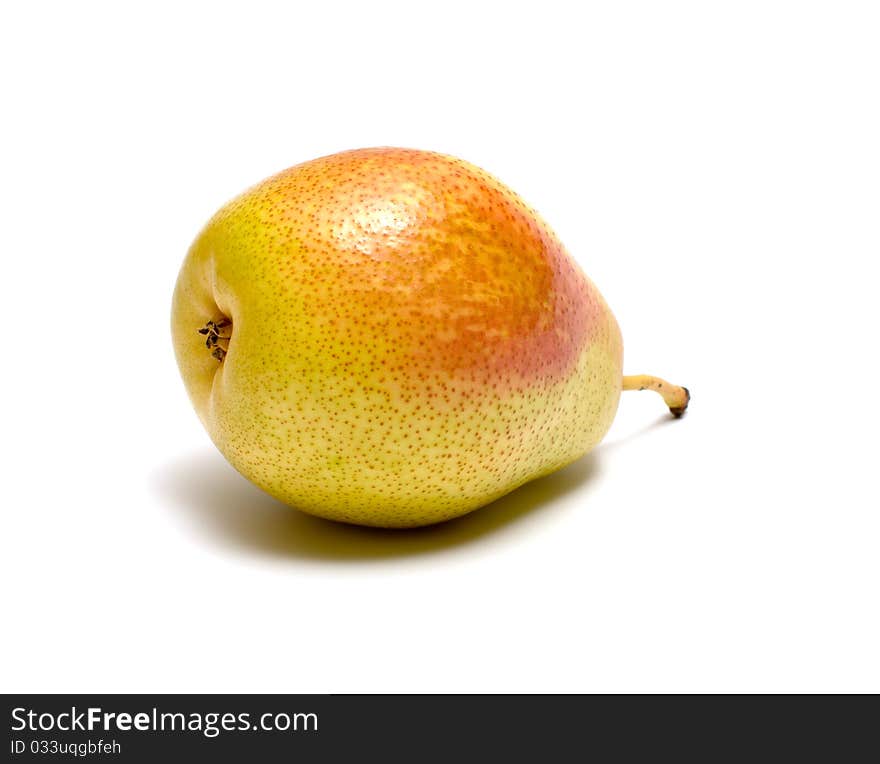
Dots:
(391, 337)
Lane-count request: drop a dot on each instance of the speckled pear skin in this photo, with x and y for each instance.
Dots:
(408, 340)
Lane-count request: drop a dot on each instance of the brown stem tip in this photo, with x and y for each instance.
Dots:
(675, 396)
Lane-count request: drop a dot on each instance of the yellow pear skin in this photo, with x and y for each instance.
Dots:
(391, 337)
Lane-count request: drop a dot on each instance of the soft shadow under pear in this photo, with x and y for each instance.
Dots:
(226, 506)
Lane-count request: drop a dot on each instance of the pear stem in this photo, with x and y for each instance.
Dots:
(675, 396)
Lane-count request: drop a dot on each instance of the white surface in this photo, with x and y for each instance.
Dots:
(714, 169)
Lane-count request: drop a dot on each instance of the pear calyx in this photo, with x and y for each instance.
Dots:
(217, 335)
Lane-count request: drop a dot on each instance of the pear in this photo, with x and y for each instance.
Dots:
(391, 337)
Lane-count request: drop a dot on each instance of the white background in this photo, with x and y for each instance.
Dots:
(714, 167)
